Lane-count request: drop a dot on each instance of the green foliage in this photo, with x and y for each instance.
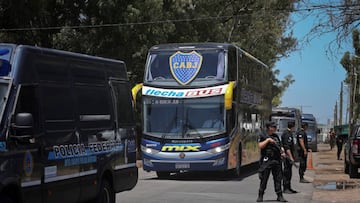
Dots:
(126, 29)
(280, 89)
(351, 64)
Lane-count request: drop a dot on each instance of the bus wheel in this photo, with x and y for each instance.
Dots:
(237, 170)
(162, 174)
(106, 193)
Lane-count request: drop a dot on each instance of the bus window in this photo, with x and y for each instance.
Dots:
(212, 65)
(159, 67)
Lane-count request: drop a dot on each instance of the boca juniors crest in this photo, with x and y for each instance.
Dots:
(185, 66)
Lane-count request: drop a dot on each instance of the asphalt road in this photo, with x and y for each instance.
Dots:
(210, 187)
(329, 183)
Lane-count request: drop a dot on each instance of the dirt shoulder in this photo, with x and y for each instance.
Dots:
(330, 182)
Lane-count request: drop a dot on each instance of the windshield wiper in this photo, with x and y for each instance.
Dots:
(191, 128)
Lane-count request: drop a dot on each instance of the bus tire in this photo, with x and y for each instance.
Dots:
(106, 193)
(236, 172)
(162, 174)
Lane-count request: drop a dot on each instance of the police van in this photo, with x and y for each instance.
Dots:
(67, 130)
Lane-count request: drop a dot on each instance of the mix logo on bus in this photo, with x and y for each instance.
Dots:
(181, 148)
(185, 66)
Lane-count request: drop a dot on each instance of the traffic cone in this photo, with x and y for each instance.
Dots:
(310, 161)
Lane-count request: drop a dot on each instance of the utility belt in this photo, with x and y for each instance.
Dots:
(270, 156)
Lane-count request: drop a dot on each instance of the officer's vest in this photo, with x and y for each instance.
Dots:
(271, 151)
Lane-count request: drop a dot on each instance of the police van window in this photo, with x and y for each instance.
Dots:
(58, 111)
(94, 106)
(123, 103)
(27, 103)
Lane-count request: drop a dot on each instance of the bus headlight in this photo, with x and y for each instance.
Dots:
(218, 149)
(149, 150)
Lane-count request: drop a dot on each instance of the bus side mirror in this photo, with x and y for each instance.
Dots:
(23, 128)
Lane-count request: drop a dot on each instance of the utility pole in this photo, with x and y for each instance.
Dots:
(335, 114)
(341, 105)
(352, 93)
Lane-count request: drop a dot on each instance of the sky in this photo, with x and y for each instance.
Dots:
(317, 75)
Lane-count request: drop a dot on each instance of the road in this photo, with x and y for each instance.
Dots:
(210, 187)
(329, 184)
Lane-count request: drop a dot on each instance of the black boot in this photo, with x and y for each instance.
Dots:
(280, 197)
(293, 191)
(260, 197)
(303, 180)
(287, 191)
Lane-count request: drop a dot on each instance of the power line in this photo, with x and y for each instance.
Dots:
(309, 9)
(115, 24)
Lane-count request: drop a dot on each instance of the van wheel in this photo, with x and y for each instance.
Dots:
(353, 171)
(106, 193)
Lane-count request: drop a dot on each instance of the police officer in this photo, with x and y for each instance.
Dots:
(302, 151)
(270, 161)
(288, 144)
(339, 143)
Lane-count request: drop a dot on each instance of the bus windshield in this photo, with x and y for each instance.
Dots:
(180, 118)
(211, 64)
(282, 123)
(312, 126)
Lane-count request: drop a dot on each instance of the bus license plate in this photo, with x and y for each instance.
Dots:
(182, 165)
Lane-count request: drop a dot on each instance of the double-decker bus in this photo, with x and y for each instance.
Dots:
(203, 106)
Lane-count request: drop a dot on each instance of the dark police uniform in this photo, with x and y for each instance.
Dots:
(288, 144)
(270, 161)
(339, 144)
(303, 159)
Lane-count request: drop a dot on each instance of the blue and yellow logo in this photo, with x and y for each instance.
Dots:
(180, 148)
(185, 66)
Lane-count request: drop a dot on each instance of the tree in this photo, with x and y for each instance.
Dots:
(338, 16)
(126, 29)
(351, 64)
(279, 89)
(35, 22)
